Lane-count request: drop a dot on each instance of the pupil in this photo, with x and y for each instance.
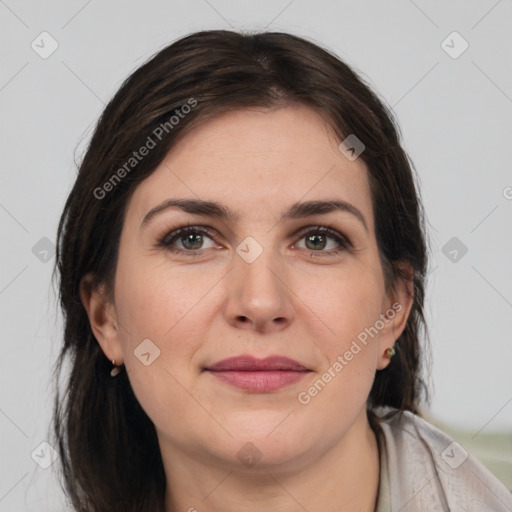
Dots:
(190, 238)
(312, 237)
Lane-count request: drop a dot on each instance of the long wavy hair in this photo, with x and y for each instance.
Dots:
(109, 454)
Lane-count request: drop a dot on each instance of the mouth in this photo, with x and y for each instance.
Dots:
(258, 375)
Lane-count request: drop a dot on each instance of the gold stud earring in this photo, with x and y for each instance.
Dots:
(390, 352)
(116, 370)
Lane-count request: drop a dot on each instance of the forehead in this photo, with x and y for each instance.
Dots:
(248, 158)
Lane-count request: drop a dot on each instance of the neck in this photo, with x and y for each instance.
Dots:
(345, 477)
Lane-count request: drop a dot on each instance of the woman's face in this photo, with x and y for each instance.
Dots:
(263, 283)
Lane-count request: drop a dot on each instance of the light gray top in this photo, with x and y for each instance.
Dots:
(425, 470)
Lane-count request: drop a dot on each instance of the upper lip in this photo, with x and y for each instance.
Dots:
(249, 363)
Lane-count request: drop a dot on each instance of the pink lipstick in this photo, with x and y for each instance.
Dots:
(258, 375)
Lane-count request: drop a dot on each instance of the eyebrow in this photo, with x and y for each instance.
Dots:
(217, 210)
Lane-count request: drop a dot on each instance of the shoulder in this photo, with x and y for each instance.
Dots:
(429, 471)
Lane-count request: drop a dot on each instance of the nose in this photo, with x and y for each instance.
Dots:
(258, 295)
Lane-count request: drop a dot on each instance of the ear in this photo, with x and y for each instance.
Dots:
(396, 311)
(102, 317)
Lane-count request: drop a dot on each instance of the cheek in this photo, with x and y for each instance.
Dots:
(154, 299)
(170, 305)
(348, 302)
(162, 305)
(350, 305)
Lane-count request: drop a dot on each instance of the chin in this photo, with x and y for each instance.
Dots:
(266, 441)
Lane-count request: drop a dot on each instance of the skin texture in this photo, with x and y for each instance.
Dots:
(293, 300)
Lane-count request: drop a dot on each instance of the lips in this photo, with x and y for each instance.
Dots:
(258, 375)
(251, 364)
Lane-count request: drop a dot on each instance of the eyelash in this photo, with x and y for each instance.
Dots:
(171, 236)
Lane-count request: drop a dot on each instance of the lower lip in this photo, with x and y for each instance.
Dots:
(259, 381)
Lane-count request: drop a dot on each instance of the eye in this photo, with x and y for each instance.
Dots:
(191, 238)
(316, 239)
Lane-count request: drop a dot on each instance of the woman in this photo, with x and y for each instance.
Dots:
(242, 263)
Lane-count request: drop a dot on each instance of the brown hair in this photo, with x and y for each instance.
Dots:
(108, 446)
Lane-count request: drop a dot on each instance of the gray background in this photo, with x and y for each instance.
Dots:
(455, 118)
